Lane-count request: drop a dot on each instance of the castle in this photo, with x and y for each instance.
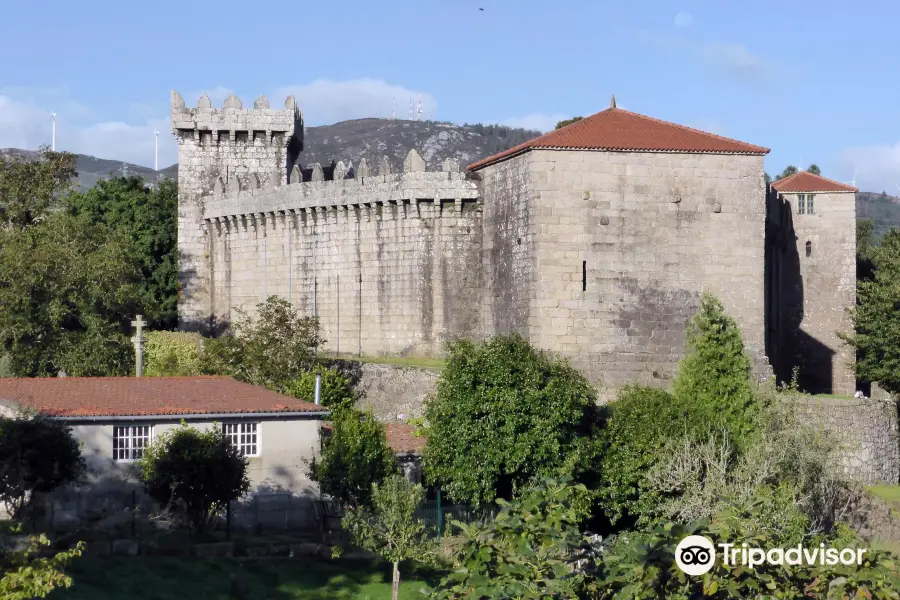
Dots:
(595, 241)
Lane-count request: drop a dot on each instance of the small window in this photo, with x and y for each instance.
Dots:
(808, 248)
(809, 204)
(584, 276)
(244, 437)
(801, 204)
(129, 442)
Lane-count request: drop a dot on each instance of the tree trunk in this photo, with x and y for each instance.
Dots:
(395, 589)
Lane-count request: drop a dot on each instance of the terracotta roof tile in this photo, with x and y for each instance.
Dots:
(145, 396)
(403, 440)
(804, 181)
(615, 129)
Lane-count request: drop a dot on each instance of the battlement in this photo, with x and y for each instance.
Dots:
(254, 194)
(235, 123)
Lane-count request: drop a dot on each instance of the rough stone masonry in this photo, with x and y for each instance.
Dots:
(598, 250)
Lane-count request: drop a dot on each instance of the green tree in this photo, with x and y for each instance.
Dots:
(32, 572)
(37, 455)
(876, 318)
(68, 292)
(503, 414)
(389, 528)
(172, 354)
(334, 389)
(270, 349)
(148, 216)
(529, 551)
(30, 189)
(814, 169)
(355, 455)
(788, 171)
(565, 122)
(865, 246)
(714, 376)
(198, 471)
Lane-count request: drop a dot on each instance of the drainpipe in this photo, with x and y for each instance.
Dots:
(318, 388)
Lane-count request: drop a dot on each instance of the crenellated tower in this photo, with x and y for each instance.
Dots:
(225, 143)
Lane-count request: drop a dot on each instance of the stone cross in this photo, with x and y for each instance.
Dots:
(138, 341)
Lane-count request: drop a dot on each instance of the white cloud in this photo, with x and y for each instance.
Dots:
(877, 168)
(537, 121)
(325, 101)
(683, 19)
(708, 125)
(734, 60)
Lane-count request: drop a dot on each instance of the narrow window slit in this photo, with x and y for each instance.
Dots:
(584, 276)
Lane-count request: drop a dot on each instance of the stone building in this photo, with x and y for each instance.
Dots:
(595, 241)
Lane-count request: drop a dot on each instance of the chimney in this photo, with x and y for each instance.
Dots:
(318, 388)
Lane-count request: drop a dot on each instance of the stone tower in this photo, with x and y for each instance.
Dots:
(224, 144)
(811, 273)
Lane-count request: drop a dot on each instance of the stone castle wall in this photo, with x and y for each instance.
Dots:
(624, 244)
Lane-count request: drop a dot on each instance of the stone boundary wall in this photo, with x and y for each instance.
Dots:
(389, 390)
(867, 428)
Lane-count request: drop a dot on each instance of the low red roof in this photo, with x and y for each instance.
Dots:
(804, 181)
(145, 396)
(403, 440)
(615, 129)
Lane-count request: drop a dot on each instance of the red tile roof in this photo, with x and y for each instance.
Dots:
(403, 440)
(615, 129)
(804, 181)
(145, 396)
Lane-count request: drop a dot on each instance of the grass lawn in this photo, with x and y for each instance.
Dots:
(890, 494)
(169, 578)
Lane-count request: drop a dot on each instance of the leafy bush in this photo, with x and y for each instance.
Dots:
(355, 456)
(714, 376)
(530, 550)
(37, 455)
(335, 390)
(172, 354)
(389, 528)
(641, 422)
(32, 572)
(504, 413)
(202, 471)
(269, 349)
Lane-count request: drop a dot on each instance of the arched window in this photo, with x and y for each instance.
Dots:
(808, 248)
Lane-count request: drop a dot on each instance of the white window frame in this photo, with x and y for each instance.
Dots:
(239, 431)
(132, 433)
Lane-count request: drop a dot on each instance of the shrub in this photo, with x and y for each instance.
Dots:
(335, 390)
(269, 349)
(641, 422)
(530, 550)
(504, 413)
(714, 376)
(172, 354)
(34, 571)
(355, 456)
(37, 455)
(200, 470)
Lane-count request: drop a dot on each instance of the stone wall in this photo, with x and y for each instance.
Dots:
(623, 244)
(394, 393)
(866, 428)
(390, 263)
(815, 284)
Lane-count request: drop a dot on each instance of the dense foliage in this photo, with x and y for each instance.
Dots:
(565, 122)
(199, 472)
(641, 423)
(37, 455)
(334, 389)
(148, 217)
(389, 527)
(68, 292)
(30, 189)
(355, 456)
(32, 572)
(503, 414)
(528, 551)
(172, 354)
(269, 349)
(714, 377)
(876, 318)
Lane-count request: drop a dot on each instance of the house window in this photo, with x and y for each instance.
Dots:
(244, 437)
(805, 204)
(808, 248)
(129, 442)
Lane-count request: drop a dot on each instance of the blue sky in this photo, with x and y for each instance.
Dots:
(813, 81)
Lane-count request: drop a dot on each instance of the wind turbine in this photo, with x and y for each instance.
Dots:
(53, 134)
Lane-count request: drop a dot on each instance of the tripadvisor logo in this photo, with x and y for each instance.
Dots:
(696, 555)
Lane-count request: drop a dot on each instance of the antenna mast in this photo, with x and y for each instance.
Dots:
(394, 109)
(53, 134)
(156, 149)
(420, 108)
(410, 109)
